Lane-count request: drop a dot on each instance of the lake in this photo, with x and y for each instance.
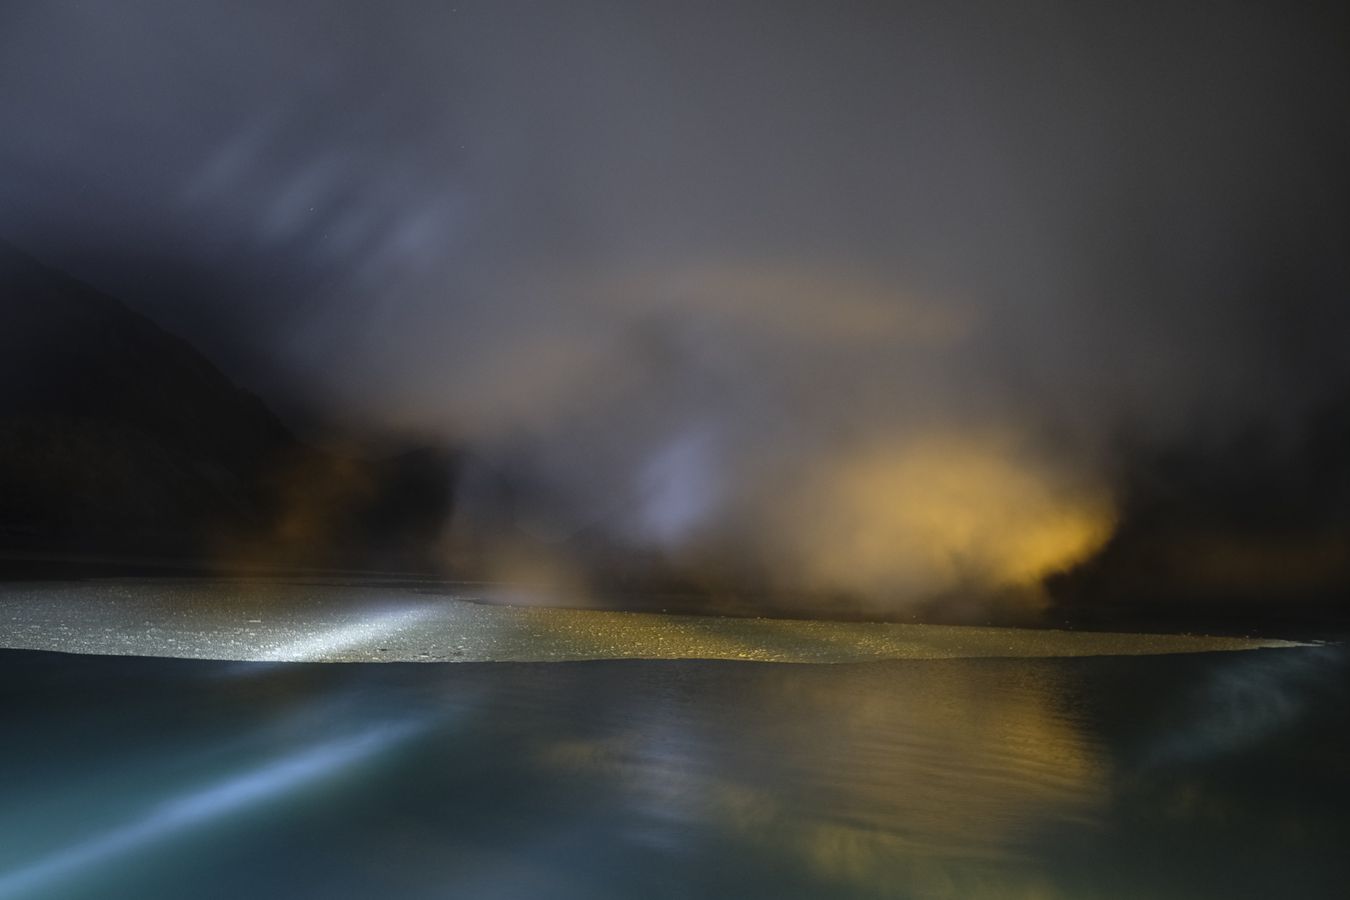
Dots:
(1193, 775)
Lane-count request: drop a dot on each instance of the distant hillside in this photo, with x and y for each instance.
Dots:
(118, 437)
(1255, 529)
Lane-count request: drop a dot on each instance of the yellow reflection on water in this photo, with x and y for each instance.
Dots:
(926, 780)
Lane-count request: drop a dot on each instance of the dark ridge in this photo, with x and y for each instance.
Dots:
(1255, 530)
(117, 437)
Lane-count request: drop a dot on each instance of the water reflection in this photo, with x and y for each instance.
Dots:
(268, 783)
(1243, 702)
(1111, 778)
(914, 779)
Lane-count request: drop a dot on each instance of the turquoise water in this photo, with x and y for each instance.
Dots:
(1214, 775)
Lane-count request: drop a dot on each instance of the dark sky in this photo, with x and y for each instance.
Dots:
(696, 245)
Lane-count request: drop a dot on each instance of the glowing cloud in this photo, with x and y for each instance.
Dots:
(924, 516)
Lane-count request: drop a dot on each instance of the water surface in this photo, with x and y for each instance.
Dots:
(1212, 775)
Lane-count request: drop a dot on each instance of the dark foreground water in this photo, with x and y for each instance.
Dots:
(1216, 775)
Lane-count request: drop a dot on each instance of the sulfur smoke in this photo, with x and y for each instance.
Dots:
(864, 299)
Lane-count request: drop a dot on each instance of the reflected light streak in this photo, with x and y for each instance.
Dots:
(361, 632)
(196, 808)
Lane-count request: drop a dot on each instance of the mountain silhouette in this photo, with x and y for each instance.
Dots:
(117, 437)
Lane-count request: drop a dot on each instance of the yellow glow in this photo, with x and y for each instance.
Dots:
(943, 512)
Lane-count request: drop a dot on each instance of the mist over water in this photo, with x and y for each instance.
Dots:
(881, 300)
